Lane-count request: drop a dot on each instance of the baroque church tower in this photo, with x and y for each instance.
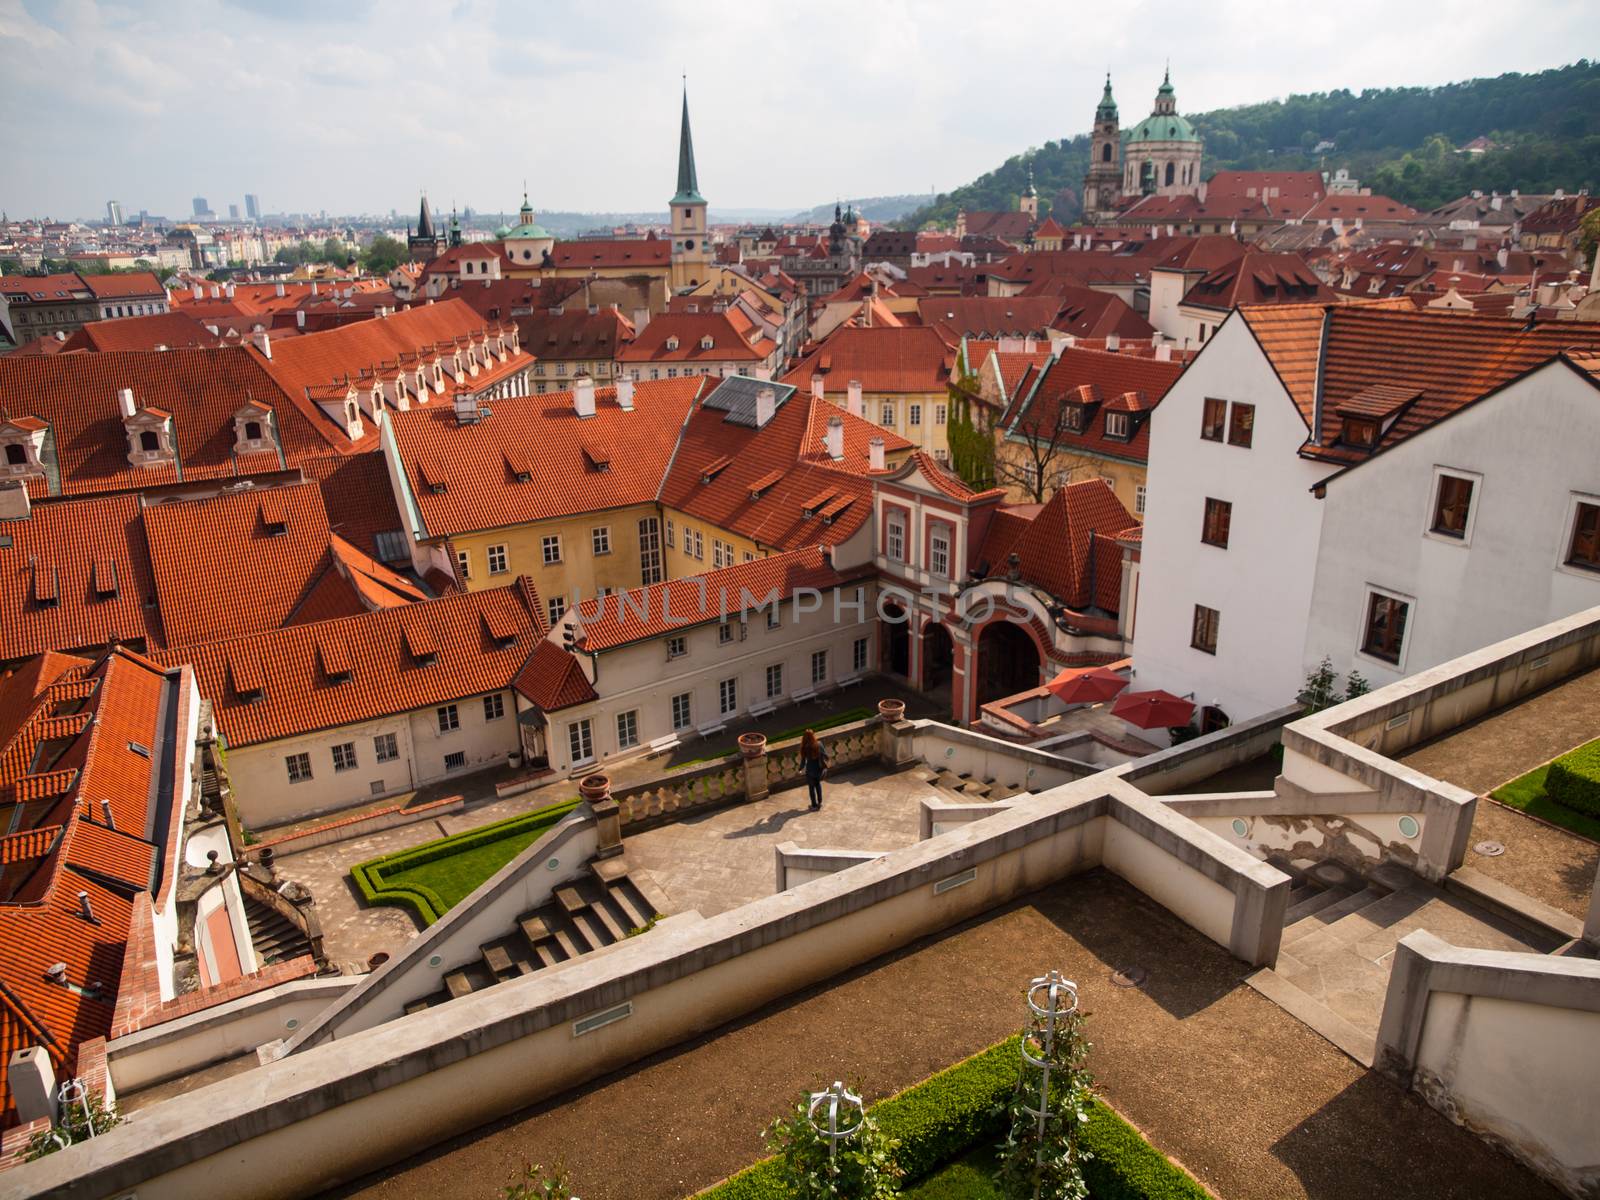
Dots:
(1102, 186)
(691, 250)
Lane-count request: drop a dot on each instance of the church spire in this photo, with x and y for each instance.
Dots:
(688, 184)
(424, 221)
(1108, 105)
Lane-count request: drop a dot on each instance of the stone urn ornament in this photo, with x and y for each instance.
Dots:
(892, 710)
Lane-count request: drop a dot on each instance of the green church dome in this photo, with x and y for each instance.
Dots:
(1163, 127)
(527, 232)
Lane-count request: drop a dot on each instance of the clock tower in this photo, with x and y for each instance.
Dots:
(691, 251)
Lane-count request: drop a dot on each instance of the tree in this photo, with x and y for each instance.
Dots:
(1589, 235)
(384, 255)
(1038, 442)
(971, 444)
(333, 251)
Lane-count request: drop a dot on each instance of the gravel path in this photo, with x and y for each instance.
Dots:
(1252, 1101)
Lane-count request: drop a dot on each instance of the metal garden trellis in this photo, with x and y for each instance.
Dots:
(1059, 996)
(834, 1099)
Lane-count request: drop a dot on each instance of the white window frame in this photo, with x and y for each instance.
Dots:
(498, 553)
(1367, 592)
(1141, 497)
(1568, 528)
(886, 411)
(685, 700)
(677, 646)
(385, 747)
(1117, 424)
(299, 767)
(341, 750)
(894, 541)
(628, 729)
(449, 718)
(580, 741)
(939, 547)
(494, 706)
(464, 563)
(728, 696)
(913, 414)
(600, 539)
(774, 681)
(1439, 474)
(859, 653)
(819, 667)
(555, 607)
(725, 633)
(550, 548)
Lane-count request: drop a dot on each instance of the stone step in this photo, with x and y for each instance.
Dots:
(1307, 926)
(458, 984)
(568, 941)
(1318, 900)
(635, 912)
(1357, 1043)
(534, 928)
(1301, 892)
(1369, 920)
(498, 959)
(592, 931)
(570, 901)
(545, 954)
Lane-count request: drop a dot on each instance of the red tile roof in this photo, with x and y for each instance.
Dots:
(1258, 277)
(474, 462)
(129, 284)
(991, 316)
(679, 337)
(202, 389)
(553, 678)
(1068, 547)
(885, 361)
(171, 330)
(1360, 208)
(1103, 377)
(389, 651)
(574, 334)
(612, 621)
(650, 253)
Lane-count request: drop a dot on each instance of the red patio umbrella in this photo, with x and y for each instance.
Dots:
(1086, 685)
(1153, 710)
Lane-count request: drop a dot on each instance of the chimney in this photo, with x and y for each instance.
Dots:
(467, 412)
(835, 438)
(84, 910)
(228, 291)
(14, 502)
(280, 290)
(33, 1081)
(199, 292)
(216, 292)
(1494, 203)
(263, 342)
(816, 386)
(625, 394)
(853, 403)
(1113, 342)
(875, 454)
(583, 396)
(105, 807)
(766, 405)
(1164, 352)
(299, 318)
(314, 287)
(1502, 256)
(125, 402)
(641, 318)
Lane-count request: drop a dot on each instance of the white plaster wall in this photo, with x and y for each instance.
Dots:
(1534, 444)
(1166, 292)
(261, 777)
(1525, 1073)
(1261, 584)
(1194, 898)
(641, 677)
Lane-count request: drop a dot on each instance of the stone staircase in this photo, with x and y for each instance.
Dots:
(1340, 931)
(598, 910)
(275, 937)
(966, 788)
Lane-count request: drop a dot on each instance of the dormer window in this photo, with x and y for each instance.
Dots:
(149, 437)
(1072, 417)
(252, 431)
(149, 441)
(1117, 425)
(1360, 432)
(16, 455)
(707, 342)
(672, 342)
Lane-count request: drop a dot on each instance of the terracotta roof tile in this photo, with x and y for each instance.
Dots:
(909, 360)
(553, 678)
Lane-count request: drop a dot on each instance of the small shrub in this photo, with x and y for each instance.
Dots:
(862, 1168)
(1573, 780)
(1319, 691)
(1043, 1159)
(73, 1127)
(1355, 684)
(534, 1184)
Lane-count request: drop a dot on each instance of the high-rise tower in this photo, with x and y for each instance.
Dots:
(1102, 186)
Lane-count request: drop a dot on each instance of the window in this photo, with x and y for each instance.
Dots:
(1219, 515)
(699, 544)
(628, 729)
(498, 564)
(672, 536)
(556, 607)
(600, 539)
(819, 667)
(1212, 419)
(1241, 424)
(914, 414)
(774, 617)
(724, 633)
(939, 551)
(580, 741)
(449, 718)
(464, 562)
(774, 681)
(1361, 432)
(886, 412)
(494, 707)
(728, 696)
(677, 646)
(940, 413)
(455, 760)
(682, 711)
(721, 554)
(344, 756)
(552, 548)
(1452, 505)
(1386, 626)
(299, 767)
(895, 539)
(1204, 636)
(384, 747)
(858, 655)
(1138, 499)
(650, 568)
(1584, 550)
(1117, 425)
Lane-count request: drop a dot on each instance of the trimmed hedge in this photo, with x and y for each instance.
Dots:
(941, 1118)
(1573, 779)
(373, 877)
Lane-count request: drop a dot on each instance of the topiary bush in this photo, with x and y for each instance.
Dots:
(1573, 780)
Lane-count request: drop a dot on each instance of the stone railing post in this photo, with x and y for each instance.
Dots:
(596, 792)
(894, 734)
(753, 746)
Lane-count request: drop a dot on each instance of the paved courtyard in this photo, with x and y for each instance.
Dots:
(1547, 863)
(1257, 1105)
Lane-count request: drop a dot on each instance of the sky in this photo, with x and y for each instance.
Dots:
(354, 106)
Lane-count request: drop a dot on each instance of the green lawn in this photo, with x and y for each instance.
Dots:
(1526, 793)
(456, 876)
(969, 1178)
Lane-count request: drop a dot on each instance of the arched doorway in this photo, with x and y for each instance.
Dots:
(1008, 661)
(938, 659)
(896, 641)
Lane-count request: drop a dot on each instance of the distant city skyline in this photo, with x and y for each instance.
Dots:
(584, 107)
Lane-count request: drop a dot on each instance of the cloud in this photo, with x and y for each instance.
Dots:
(350, 107)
